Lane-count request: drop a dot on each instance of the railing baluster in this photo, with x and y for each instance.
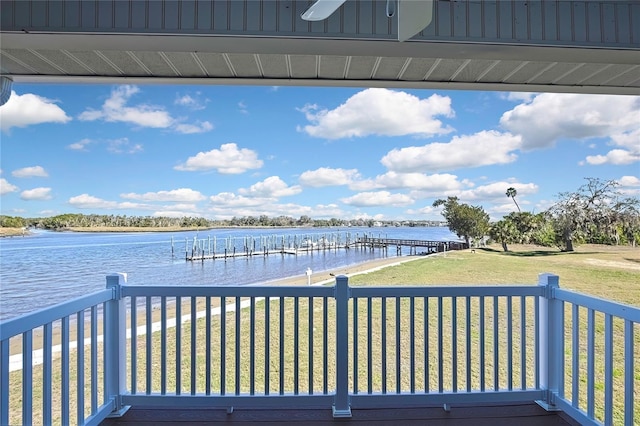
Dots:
(536, 340)
(355, 346)
(496, 347)
(281, 370)
(223, 345)
(509, 343)
(383, 363)
(325, 347)
(238, 334)
(148, 341)
(310, 365)
(94, 359)
(369, 347)
(207, 346)
(591, 317)
(440, 345)
(629, 363)
(4, 380)
(252, 346)
(608, 369)
(27, 377)
(296, 344)
(523, 342)
(398, 345)
(468, 337)
(425, 319)
(267, 344)
(47, 339)
(79, 367)
(134, 345)
(64, 375)
(560, 338)
(454, 344)
(575, 354)
(163, 345)
(178, 345)
(412, 344)
(483, 369)
(193, 345)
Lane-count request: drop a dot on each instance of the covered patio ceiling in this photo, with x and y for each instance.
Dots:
(470, 45)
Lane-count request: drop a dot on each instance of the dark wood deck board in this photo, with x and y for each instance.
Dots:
(493, 415)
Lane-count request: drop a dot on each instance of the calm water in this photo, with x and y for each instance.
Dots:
(51, 267)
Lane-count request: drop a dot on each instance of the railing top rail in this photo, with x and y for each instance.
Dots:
(228, 291)
(620, 310)
(19, 325)
(447, 291)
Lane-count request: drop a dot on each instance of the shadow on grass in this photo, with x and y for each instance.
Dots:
(531, 253)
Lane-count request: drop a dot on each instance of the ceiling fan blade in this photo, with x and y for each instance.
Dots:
(321, 10)
(413, 17)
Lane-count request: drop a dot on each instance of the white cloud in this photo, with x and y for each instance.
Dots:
(481, 149)
(80, 145)
(86, 201)
(178, 195)
(6, 187)
(615, 157)
(36, 194)
(498, 191)
(192, 102)
(270, 209)
(28, 109)
(34, 171)
(226, 160)
(231, 200)
(629, 181)
(243, 107)
(436, 183)
(123, 146)
(326, 176)
(197, 127)
(552, 116)
(271, 187)
(630, 152)
(115, 109)
(378, 198)
(518, 96)
(379, 112)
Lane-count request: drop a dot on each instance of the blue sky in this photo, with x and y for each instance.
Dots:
(222, 151)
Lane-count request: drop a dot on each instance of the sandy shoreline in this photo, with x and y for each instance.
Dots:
(317, 278)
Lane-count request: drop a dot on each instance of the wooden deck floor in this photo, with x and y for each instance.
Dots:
(488, 415)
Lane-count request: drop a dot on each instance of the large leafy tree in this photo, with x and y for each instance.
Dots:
(592, 213)
(468, 222)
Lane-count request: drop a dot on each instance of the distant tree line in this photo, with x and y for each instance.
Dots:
(595, 213)
(71, 220)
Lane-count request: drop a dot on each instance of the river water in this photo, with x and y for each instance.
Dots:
(50, 267)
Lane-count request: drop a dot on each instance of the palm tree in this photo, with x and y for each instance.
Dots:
(511, 192)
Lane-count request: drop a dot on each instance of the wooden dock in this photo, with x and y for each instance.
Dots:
(427, 246)
(210, 248)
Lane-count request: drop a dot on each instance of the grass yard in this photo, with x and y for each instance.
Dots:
(297, 357)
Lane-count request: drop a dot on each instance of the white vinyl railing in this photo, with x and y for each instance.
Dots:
(333, 346)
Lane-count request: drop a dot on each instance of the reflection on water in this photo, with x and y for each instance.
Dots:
(50, 267)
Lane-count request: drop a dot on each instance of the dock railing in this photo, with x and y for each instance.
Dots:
(341, 347)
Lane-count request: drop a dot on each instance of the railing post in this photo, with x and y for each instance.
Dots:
(551, 347)
(341, 404)
(115, 339)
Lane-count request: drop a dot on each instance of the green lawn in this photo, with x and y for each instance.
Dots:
(608, 272)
